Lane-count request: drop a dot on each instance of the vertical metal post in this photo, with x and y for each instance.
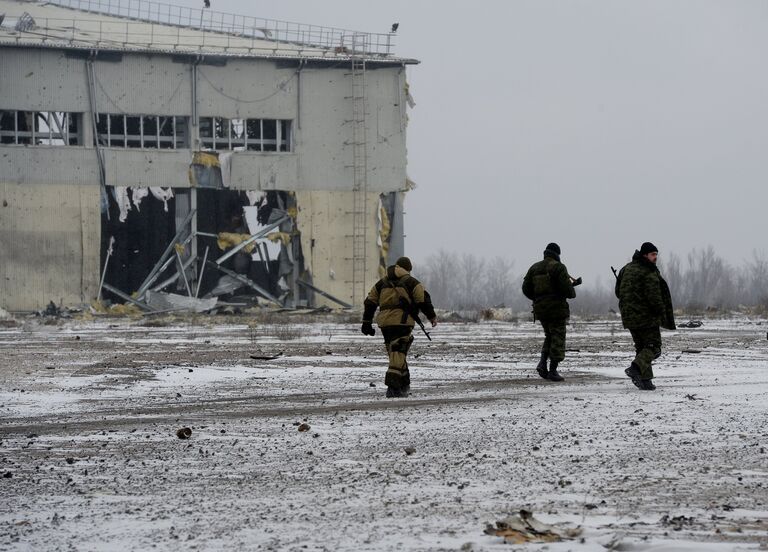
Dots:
(193, 229)
(201, 272)
(195, 130)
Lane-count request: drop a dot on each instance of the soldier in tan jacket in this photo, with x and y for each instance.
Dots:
(399, 298)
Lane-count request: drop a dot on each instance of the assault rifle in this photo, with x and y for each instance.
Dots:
(412, 310)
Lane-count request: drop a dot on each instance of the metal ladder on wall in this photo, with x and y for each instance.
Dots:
(359, 166)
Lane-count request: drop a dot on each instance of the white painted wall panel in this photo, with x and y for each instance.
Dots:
(136, 167)
(244, 89)
(253, 171)
(143, 84)
(48, 165)
(42, 80)
(49, 245)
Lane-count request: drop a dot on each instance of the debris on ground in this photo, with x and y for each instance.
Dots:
(693, 397)
(114, 309)
(409, 450)
(55, 311)
(51, 310)
(304, 427)
(267, 357)
(452, 317)
(691, 324)
(6, 319)
(677, 522)
(184, 433)
(692, 351)
(167, 302)
(523, 528)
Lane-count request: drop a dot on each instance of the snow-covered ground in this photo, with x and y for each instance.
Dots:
(91, 461)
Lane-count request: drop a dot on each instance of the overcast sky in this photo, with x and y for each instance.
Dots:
(596, 124)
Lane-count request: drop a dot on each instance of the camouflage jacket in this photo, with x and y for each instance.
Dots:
(397, 296)
(644, 297)
(549, 286)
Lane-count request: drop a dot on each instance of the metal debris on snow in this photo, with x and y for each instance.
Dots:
(523, 528)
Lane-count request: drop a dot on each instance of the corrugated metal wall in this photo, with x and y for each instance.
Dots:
(50, 245)
(325, 220)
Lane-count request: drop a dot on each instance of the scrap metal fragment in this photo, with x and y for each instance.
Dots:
(260, 234)
(324, 294)
(522, 528)
(168, 250)
(126, 297)
(173, 301)
(246, 281)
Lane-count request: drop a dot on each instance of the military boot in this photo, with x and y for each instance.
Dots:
(553, 374)
(647, 385)
(633, 372)
(394, 392)
(541, 367)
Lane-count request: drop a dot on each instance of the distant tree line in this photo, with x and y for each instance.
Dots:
(699, 281)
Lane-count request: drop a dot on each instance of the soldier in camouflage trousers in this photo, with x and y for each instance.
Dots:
(399, 298)
(646, 305)
(549, 286)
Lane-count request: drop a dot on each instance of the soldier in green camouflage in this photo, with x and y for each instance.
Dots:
(549, 286)
(646, 305)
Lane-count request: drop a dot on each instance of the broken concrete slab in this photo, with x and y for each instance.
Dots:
(171, 301)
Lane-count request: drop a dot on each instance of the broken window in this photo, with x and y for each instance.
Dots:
(142, 131)
(40, 128)
(217, 133)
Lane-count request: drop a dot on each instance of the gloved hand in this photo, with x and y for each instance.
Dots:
(367, 328)
(577, 281)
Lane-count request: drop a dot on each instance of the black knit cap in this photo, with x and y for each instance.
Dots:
(648, 247)
(553, 247)
(404, 262)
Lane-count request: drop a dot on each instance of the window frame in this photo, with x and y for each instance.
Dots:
(210, 137)
(176, 139)
(60, 134)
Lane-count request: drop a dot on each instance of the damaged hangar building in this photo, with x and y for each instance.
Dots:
(149, 150)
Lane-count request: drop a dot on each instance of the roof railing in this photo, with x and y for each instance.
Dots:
(204, 19)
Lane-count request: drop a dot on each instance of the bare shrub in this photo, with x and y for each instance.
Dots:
(700, 281)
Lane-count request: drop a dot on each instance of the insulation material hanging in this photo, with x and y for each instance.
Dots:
(225, 164)
(205, 170)
(227, 240)
(385, 214)
(278, 237)
(123, 201)
(137, 194)
(163, 194)
(255, 196)
(251, 219)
